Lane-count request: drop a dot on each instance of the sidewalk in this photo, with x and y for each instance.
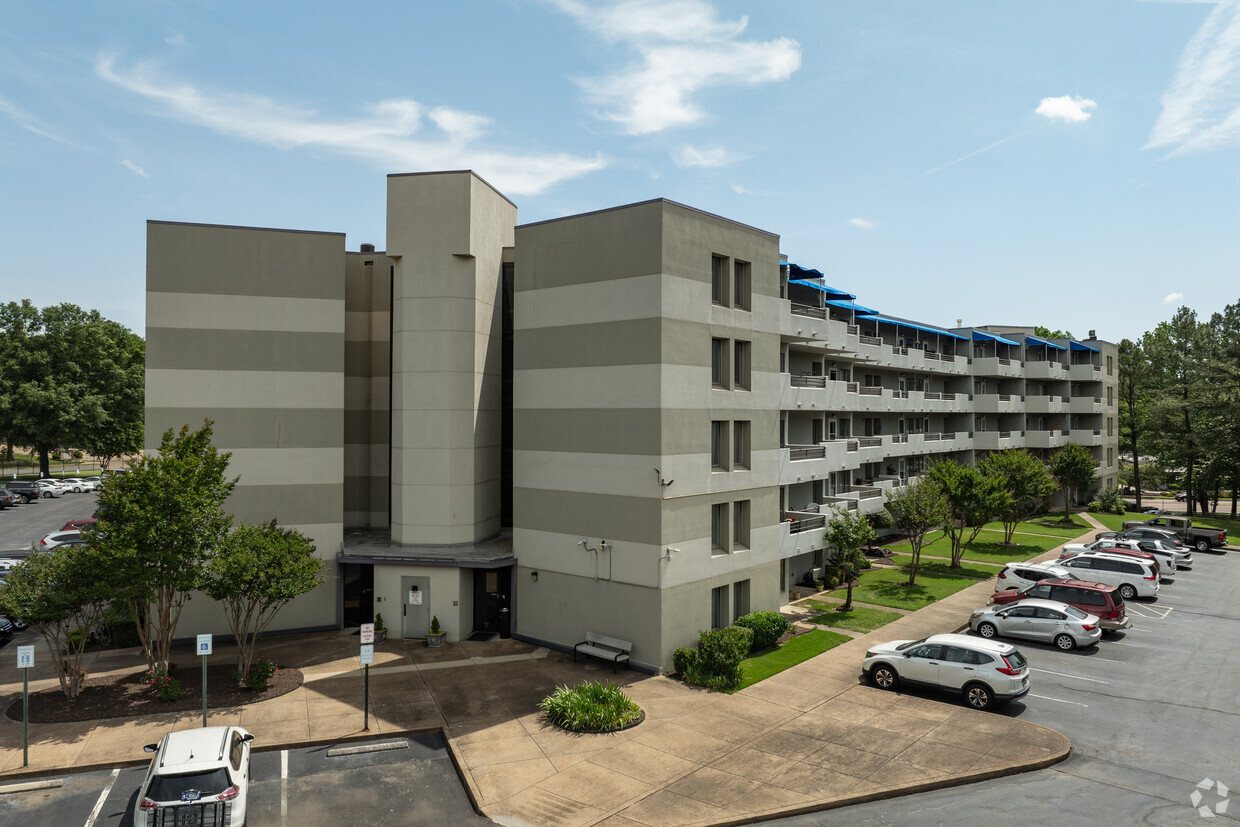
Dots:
(812, 737)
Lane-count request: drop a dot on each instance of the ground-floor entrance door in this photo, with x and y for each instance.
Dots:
(415, 610)
(358, 584)
(491, 603)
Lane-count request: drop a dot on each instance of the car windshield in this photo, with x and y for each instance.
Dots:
(1074, 612)
(909, 645)
(173, 787)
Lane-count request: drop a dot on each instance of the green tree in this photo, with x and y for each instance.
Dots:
(1047, 333)
(973, 500)
(62, 594)
(848, 531)
(69, 378)
(1133, 404)
(157, 528)
(1074, 470)
(255, 572)
(1026, 482)
(916, 509)
(1175, 351)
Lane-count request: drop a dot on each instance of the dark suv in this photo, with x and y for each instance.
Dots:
(25, 489)
(1099, 599)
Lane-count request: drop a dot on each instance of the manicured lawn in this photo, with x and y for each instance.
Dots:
(797, 650)
(978, 570)
(988, 547)
(1115, 522)
(886, 587)
(857, 619)
(1048, 524)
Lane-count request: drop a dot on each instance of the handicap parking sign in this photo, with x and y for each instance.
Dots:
(204, 644)
(25, 657)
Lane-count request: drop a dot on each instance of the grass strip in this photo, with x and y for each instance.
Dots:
(796, 650)
(979, 570)
(856, 619)
(887, 587)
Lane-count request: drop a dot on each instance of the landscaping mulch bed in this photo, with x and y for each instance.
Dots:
(118, 696)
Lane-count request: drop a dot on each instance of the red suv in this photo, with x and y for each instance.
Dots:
(1099, 599)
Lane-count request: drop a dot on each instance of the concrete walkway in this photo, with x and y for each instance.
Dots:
(812, 737)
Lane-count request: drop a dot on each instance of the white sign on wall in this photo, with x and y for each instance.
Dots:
(415, 596)
(368, 633)
(204, 644)
(368, 654)
(25, 657)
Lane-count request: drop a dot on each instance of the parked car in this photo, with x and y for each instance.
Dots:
(1202, 539)
(1101, 599)
(1181, 496)
(1135, 578)
(95, 483)
(76, 484)
(10, 498)
(198, 776)
(1019, 575)
(78, 525)
(984, 672)
(58, 538)
(1048, 621)
(6, 629)
(25, 488)
(1142, 533)
(1166, 560)
(49, 488)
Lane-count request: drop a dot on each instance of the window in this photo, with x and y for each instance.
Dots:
(1110, 457)
(719, 445)
(719, 280)
(740, 444)
(718, 528)
(1110, 425)
(741, 285)
(1110, 397)
(740, 524)
(1110, 366)
(740, 366)
(719, 607)
(719, 362)
(740, 599)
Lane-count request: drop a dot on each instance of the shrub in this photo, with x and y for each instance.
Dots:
(1109, 501)
(684, 659)
(166, 687)
(590, 707)
(720, 652)
(258, 677)
(767, 627)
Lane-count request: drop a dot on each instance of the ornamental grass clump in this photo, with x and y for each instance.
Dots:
(590, 707)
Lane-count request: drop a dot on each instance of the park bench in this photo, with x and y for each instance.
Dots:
(605, 648)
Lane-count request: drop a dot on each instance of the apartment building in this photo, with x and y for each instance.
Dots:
(633, 421)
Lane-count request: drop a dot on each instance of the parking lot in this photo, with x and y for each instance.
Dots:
(413, 784)
(26, 523)
(1151, 712)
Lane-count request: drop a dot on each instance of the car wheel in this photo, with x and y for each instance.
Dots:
(884, 677)
(1127, 592)
(987, 630)
(979, 696)
(1202, 544)
(1065, 642)
(47, 495)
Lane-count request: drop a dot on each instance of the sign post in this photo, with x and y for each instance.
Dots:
(25, 660)
(204, 649)
(367, 658)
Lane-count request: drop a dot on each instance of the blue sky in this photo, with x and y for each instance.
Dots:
(1066, 163)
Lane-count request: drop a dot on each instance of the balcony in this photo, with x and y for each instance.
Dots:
(1085, 405)
(998, 440)
(946, 402)
(914, 358)
(814, 324)
(1045, 370)
(1049, 438)
(1084, 436)
(810, 392)
(993, 403)
(996, 366)
(800, 463)
(1085, 373)
(940, 443)
(1044, 404)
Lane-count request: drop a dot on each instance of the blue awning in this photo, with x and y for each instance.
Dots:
(817, 285)
(1078, 346)
(796, 271)
(859, 309)
(1035, 341)
(914, 326)
(982, 336)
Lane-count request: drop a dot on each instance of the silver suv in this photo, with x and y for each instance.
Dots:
(984, 672)
(199, 777)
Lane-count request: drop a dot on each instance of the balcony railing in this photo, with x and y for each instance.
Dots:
(806, 381)
(852, 330)
(868, 493)
(871, 340)
(799, 452)
(933, 395)
(872, 390)
(807, 310)
(851, 387)
(870, 441)
(799, 521)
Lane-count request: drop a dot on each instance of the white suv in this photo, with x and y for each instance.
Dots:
(985, 672)
(1134, 576)
(1018, 575)
(198, 776)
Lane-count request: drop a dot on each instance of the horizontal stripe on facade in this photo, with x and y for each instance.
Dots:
(244, 261)
(287, 466)
(636, 342)
(209, 311)
(368, 359)
(605, 516)
(243, 389)
(288, 504)
(254, 427)
(191, 349)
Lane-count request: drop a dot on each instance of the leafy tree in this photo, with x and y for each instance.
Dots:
(1175, 351)
(1133, 404)
(158, 526)
(915, 509)
(1025, 480)
(256, 571)
(69, 378)
(848, 531)
(1047, 333)
(62, 594)
(1073, 468)
(972, 498)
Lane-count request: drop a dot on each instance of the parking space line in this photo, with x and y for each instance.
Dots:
(1120, 643)
(283, 785)
(103, 796)
(1058, 700)
(1064, 675)
(1106, 660)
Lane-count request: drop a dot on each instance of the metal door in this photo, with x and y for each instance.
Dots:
(415, 601)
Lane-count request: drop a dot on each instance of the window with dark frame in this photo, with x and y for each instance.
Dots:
(740, 366)
(740, 524)
(719, 280)
(719, 362)
(719, 445)
(741, 287)
(740, 444)
(719, 528)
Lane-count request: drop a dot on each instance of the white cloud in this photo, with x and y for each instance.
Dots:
(862, 223)
(692, 156)
(741, 190)
(395, 134)
(683, 49)
(1201, 109)
(1066, 108)
(134, 168)
(174, 38)
(32, 124)
(1172, 298)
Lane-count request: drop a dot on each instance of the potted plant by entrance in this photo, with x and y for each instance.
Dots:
(434, 638)
(380, 629)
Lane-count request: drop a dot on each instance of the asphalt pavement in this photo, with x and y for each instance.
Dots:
(25, 524)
